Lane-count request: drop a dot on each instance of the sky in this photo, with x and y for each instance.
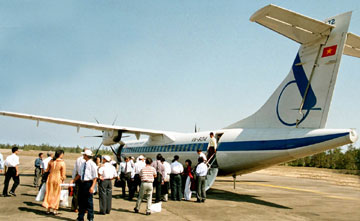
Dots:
(164, 65)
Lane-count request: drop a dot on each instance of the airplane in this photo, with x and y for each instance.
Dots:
(290, 125)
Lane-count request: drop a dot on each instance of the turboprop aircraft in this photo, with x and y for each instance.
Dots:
(290, 125)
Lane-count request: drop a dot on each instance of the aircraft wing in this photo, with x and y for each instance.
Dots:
(297, 27)
(94, 126)
(352, 45)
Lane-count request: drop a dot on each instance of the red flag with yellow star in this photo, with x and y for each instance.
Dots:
(329, 51)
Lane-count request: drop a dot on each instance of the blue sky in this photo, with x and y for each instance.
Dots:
(154, 64)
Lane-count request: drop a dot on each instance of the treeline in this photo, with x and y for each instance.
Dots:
(47, 147)
(348, 159)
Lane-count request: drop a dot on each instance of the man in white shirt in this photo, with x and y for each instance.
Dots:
(201, 154)
(125, 171)
(211, 149)
(166, 185)
(43, 166)
(135, 177)
(175, 179)
(11, 171)
(106, 173)
(79, 161)
(45, 162)
(201, 172)
(88, 176)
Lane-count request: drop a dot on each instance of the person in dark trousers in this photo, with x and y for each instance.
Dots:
(175, 179)
(160, 174)
(37, 173)
(165, 187)
(125, 171)
(136, 180)
(107, 172)
(201, 172)
(211, 149)
(76, 171)
(11, 172)
(88, 177)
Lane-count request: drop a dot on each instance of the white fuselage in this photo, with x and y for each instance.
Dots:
(242, 151)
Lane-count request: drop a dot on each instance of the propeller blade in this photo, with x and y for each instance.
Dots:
(92, 136)
(115, 120)
(97, 151)
(96, 120)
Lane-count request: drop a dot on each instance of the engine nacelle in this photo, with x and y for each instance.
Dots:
(111, 137)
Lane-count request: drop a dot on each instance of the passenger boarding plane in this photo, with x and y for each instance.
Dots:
(290, 125)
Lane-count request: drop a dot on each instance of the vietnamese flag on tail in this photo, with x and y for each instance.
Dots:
(329, 51)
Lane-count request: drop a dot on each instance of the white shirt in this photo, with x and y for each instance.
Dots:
(176, 168)
(12, 160)
(127, 166)
(201, 169)
(1, 162)
(77, 166)
(90, 171)
(212, 143)
(107, 171)
(138, 166)
(45, 163)
(201, 154)
(167, 171)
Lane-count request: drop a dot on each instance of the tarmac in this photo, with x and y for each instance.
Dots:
(277, 193)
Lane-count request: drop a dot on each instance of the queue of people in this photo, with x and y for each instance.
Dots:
(95, 174)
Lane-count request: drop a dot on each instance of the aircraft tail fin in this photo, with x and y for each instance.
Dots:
(303, 99)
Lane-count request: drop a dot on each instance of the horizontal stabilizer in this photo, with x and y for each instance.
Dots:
(297, 27)
(352, 45)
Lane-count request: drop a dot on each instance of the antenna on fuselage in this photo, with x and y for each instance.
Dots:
(196, 129)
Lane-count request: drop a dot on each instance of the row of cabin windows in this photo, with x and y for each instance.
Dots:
(167, 148)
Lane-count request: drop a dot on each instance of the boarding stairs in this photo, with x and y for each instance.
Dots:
(212, 172)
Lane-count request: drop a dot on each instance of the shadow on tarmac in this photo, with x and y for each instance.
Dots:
(217, 194)
(42, 213)
(242, 181)
(26, 194)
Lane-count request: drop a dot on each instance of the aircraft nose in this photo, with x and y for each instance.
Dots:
(353, 135)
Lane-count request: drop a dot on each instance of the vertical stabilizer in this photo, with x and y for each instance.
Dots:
(303, 99)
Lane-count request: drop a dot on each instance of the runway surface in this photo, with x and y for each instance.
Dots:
(278, 193)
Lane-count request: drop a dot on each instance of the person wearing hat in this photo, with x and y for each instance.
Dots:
(106, 173)
(88, 175)
(79, 161)
(139, 165)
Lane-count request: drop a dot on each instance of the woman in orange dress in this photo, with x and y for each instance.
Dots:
(56, 177)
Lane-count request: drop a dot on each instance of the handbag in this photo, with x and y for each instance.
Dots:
(64, 198)
(41, 194)
(118, 183)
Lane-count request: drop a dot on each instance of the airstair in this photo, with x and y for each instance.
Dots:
(212, 172)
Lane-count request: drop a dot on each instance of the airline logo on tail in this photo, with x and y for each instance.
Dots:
(302, 83)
